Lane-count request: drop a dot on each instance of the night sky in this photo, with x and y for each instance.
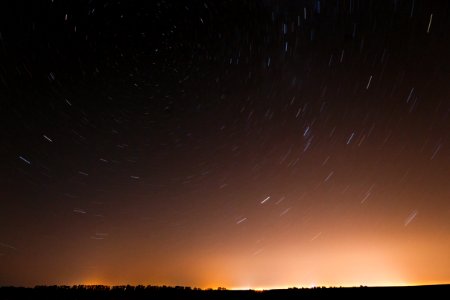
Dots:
(243, 144)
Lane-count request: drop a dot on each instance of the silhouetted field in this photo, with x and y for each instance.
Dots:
(99, 292)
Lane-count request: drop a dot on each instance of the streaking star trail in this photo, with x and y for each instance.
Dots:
(257, 144)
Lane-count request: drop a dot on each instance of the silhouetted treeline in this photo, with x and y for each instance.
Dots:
(101, 292)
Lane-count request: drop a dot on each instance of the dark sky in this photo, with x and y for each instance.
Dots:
(233, 143)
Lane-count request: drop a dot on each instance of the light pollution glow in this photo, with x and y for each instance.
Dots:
(342, 262)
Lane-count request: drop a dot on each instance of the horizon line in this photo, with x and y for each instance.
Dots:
(220, 288)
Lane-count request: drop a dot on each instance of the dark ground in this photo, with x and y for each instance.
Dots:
(152, 292)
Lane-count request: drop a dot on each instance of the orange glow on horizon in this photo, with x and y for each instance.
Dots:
(338, 260)
(366, 263)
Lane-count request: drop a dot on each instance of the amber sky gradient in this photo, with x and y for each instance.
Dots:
(240, 144)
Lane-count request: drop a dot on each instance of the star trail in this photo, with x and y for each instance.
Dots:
(241, 144)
